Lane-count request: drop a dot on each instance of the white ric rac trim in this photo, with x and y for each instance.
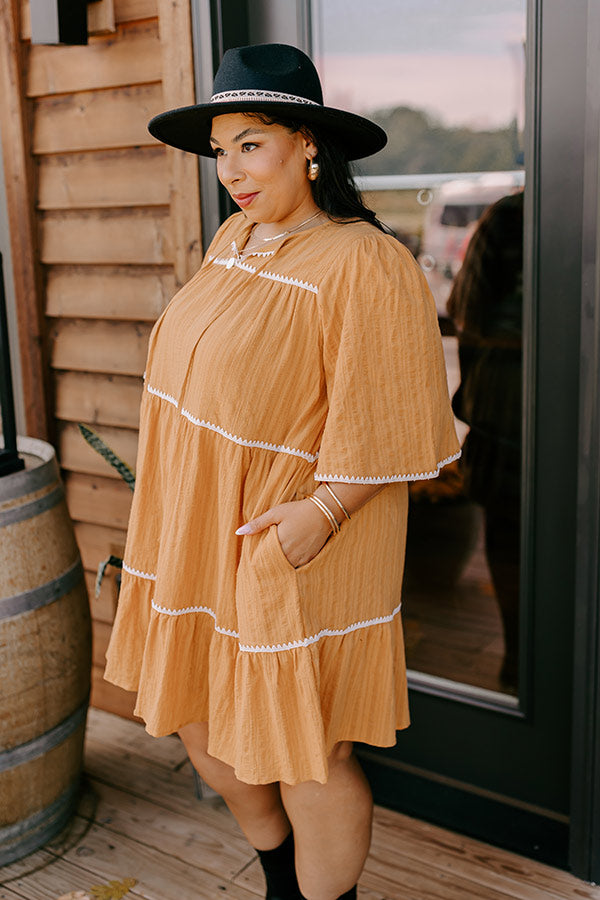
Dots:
(243, 442)
(137, 572)
(162, 395)
(232, 263)
(387, 479)
(273, 276)
(194, 609)
(269, 96)
(277, 448)
(276, 648)
(315, 638)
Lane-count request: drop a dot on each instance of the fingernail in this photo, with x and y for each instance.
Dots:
(244, 529)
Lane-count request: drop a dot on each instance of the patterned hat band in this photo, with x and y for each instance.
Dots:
(274, 78)
(261, 96)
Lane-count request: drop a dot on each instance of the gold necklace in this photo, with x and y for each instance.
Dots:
(239, 257)
(295, 228)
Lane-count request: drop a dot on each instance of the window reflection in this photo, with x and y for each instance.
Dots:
(446, 81)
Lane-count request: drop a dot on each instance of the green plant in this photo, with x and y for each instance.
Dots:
(128, 476)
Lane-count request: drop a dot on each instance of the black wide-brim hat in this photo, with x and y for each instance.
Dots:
(275, 79)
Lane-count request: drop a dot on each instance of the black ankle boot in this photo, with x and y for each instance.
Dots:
(280, 871)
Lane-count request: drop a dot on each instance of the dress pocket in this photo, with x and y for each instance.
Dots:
(277, 549)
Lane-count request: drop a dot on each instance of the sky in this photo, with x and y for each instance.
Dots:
(461, 60)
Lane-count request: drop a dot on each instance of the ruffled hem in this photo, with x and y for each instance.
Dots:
(272, 716)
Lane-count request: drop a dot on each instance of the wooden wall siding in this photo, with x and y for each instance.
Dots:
(136, 292)
(96, 120)
(97, 500)
(124, 11)
(20, 199)
(131, 56)
(178, 81)
(98, 399)
(139, 236)
(112, 178)
(84, 345)
(77, 455)
(117, 230)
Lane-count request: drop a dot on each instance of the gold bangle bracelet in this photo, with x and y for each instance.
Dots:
(326, 512)
(337, 500)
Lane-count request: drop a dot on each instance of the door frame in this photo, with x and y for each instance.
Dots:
(585, 785)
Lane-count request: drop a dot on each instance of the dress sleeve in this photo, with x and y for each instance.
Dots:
(389, 416)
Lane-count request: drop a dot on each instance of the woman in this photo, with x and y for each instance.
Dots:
(259, 616)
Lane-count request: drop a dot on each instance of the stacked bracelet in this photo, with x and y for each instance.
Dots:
(326, 512)
(337, 499)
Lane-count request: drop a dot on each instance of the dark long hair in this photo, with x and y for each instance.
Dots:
(334, 191)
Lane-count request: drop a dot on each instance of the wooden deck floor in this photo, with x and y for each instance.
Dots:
(140, 819)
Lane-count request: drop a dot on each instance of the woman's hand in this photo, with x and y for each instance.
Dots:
(302, 529)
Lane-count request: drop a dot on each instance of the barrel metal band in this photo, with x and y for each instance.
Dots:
(45, 742)
(27, 481)
(28, 834)
(33, 508)
(42, 595)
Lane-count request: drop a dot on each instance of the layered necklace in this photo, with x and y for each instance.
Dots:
(238, 257)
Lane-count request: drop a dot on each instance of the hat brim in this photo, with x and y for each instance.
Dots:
(188, 128)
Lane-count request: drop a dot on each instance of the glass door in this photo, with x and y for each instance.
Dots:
(456, 85)
(447, 83)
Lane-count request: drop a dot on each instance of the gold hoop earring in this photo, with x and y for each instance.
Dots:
(313, 170)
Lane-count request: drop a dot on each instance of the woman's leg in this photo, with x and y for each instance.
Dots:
(332, 826)
(256, 807)
(332, 822)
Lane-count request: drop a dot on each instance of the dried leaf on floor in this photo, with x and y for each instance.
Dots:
(114, 890)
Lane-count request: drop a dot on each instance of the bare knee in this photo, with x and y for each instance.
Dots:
(214, 771)
(341, 752)
(195, 738)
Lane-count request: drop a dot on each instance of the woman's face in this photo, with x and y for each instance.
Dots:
(264, 168)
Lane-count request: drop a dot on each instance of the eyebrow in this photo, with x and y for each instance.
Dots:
(239, 137)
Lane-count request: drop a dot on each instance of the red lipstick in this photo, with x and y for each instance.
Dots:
(244, 200)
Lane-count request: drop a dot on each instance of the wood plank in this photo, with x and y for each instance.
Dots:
(106, 236)
(62, 878)
(210, 837)
(114, 178)
(136, 292)
(19, 184)
(131, 56)
(104, 606)
(98, 542)
(158, 874)
(94, 346)
(101, 17)
(131, 10)
(100, 638)
(170, 789)
(97, 500)
(394, 833)
(75, 453)
(124, 10)
(23, 867)
(111, 698)
(98, 399)
(103, 728)
(96, 120)
(178, 90)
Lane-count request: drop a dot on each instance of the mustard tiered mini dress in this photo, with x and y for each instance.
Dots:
(319, 358)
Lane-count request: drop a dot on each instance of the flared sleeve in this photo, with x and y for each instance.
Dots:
(389, 416)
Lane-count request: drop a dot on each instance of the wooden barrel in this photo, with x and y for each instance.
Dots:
(45, 655)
